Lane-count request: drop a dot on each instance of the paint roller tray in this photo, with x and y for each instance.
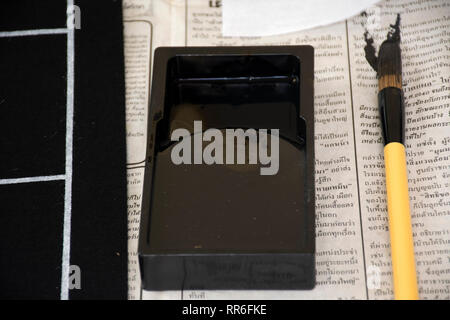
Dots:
(222, 211)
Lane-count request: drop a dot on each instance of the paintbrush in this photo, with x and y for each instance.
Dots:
(392, 110)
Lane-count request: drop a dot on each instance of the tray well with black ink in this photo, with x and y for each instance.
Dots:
(226, 226)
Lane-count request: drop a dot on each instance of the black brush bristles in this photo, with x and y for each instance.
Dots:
(389, 59)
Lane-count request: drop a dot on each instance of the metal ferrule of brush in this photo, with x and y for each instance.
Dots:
(392, 111)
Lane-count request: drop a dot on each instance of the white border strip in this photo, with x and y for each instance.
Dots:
(24, 33)
(65, 263)
(32, 179)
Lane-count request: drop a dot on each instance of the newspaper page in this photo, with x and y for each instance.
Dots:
(352, 237)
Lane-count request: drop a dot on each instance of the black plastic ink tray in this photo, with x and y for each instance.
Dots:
(227, 226)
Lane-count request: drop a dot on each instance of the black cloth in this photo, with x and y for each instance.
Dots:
(33, 100)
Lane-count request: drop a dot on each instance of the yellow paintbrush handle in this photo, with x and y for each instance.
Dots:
(402, 248)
